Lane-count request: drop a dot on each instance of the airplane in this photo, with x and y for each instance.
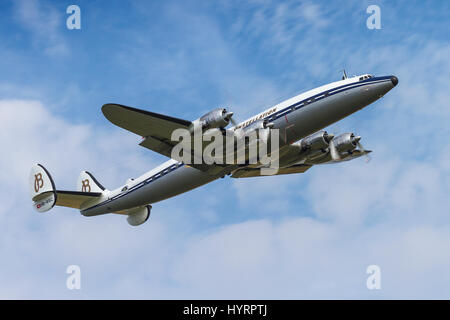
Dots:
(302, 144)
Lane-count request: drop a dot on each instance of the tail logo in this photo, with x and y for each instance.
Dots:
(38, 182)
(85, 186)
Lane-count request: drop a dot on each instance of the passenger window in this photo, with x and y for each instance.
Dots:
(361, 79)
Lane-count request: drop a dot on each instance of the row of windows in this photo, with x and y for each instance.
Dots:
(164, 172)
(156, 176)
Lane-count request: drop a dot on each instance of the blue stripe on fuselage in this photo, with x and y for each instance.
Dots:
(154, 177)
(323, 95)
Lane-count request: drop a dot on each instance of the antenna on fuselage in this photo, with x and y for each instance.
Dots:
(344, 74)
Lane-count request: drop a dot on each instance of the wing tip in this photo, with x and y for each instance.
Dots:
(109, 109)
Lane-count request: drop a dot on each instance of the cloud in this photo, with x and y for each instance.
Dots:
(44, 22)
(303, 258)
(31, 133)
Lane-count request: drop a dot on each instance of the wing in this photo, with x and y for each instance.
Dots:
(256, 172)
(156, 130)
(293, 162)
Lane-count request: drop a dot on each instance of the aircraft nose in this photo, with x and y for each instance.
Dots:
(394, 80)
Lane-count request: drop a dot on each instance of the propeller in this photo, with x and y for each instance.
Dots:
(336, 128)
(361, 147)
(233, 122)
(335, 154)
(229, 117)
(231, 100)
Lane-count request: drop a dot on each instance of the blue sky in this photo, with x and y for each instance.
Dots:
(300, 236)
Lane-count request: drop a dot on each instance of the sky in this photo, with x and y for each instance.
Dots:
(304, 236)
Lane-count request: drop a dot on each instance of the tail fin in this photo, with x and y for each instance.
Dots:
(45, 196)
(42, 188)
(87, 183)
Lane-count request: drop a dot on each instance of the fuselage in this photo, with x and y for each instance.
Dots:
(295, 118)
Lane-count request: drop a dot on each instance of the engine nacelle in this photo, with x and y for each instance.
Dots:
(346, 142)
(217, 118)
(138, 216)
(316, 141)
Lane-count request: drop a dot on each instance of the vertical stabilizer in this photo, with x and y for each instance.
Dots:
(87, 183)
(42, 188)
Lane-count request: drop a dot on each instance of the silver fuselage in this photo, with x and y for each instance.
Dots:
(295, 118)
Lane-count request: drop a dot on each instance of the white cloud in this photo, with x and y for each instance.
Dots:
(32, 242)
(45, 23)
(304, 258)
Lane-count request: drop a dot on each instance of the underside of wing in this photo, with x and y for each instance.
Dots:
(256, 172)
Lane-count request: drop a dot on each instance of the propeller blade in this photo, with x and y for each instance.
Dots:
(333, 152)
(360, 146)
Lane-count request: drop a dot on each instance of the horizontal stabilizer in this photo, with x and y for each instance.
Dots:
(75, 199)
